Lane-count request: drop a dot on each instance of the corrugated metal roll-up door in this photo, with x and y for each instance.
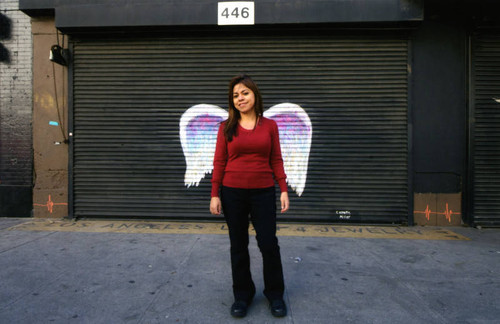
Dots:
(485, 134)
(130, 93)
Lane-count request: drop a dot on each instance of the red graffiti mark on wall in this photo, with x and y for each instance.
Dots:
(447, 213)
(50, 205)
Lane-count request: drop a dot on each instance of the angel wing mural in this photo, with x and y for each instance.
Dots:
(198, 133)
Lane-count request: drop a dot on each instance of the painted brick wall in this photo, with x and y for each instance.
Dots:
(16, 160)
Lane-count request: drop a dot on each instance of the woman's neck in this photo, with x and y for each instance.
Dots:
(248, 118)
(248, 121)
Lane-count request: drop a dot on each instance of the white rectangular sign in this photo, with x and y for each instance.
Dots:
(236, 13)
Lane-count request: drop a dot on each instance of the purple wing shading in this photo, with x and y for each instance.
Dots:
(295, 130)
(198, 133)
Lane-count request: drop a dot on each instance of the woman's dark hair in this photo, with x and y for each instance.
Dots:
(231, 126)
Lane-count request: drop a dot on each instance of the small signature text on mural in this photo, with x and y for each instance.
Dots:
(343, 214)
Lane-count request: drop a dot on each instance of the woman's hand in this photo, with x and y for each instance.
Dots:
(285, 203)
(215, 206)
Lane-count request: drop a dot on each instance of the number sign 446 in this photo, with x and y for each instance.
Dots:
(236, 13)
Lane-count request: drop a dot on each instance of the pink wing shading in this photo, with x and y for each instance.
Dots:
(198, 133)
(295, 131)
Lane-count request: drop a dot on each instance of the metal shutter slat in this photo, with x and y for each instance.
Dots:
(486, 134)
(129, 94)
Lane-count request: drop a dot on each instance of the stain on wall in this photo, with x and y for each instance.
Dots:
(5, 33)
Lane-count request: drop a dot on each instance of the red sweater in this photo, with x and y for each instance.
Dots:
(250, 160)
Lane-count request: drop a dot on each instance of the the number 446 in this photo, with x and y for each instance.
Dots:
(236, 12)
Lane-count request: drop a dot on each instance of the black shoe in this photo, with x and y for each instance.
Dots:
(278, 308)
(239, 308)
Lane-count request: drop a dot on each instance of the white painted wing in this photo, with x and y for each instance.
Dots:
(295, 130)
(198, 129)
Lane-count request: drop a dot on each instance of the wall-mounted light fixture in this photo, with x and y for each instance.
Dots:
(59, 55)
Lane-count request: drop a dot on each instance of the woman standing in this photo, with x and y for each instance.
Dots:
(247, 161)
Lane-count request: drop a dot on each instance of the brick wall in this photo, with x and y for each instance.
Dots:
(16, 158)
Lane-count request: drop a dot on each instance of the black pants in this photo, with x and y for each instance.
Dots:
(260, 204)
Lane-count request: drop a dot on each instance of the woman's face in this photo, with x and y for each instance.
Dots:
(243, 98)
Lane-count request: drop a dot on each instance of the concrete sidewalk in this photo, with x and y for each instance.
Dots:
(54, 276)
